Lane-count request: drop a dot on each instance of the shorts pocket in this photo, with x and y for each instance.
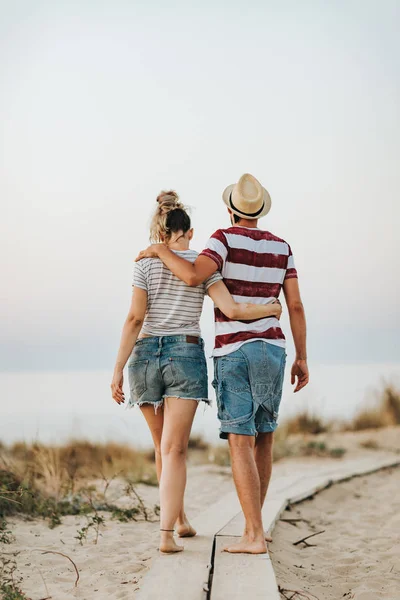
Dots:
(235, 408)
(189, 372)
(137, 377)
(234, 374)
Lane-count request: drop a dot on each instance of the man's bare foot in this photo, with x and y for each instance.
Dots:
(268, 538)
(168, 545)
(185, 529)
(245, 546)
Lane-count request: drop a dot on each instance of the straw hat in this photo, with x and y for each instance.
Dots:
(247, 198)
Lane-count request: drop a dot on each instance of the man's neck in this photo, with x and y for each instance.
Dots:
(250, 223)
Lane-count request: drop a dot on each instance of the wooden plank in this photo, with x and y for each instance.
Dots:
(239, 576)
(364, 467)
(278, 485)
(179, 576)
(306, 488)
(211, 520)
(245, 576)
(234, 528)
(184, 576)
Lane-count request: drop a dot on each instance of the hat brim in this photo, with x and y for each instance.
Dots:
(266, 199)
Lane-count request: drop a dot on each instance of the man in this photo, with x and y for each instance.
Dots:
(249, 357)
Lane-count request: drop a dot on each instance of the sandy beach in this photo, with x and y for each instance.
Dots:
(113, 567)
(357, 555)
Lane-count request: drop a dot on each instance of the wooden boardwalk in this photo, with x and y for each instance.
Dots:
(204, 572)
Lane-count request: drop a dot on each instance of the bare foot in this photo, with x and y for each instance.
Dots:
(268, 538)
(185, 530)
(246, 546)
(168, 545)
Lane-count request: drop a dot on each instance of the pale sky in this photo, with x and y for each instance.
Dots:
(103, 104)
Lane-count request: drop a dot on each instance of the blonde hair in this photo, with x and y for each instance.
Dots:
(165, 220)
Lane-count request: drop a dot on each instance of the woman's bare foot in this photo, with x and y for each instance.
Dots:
(185, 529)
(168, 544)
(246, 546)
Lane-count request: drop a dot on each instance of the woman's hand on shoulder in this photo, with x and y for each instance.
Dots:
(152, 251)
(116, 387)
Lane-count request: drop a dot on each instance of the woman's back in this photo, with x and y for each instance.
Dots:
(173, 308)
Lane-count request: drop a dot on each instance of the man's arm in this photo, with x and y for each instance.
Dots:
(298, 327)
(192, 274)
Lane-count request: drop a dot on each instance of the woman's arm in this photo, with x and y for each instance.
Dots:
(241, 311)
(130, 332)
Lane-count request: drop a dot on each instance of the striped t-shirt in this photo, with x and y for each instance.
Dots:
(254, 265)
(173, 308)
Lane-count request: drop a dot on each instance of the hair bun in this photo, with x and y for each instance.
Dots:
(169, 216)
(170, 197)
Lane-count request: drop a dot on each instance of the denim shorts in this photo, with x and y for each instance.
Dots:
(167, 366)
(248, 386)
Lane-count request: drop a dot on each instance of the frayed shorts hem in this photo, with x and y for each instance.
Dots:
(159, 403)
(246, 430)
(267, 427)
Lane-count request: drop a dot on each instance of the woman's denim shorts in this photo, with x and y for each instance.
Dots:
(167, 366)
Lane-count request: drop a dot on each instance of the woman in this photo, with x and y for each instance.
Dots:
(167, 367)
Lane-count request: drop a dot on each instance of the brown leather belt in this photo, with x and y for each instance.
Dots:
(190, 339)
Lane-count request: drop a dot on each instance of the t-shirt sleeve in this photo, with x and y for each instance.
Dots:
(217, 249)
(213, 279)
(291, 271)
(139, 277)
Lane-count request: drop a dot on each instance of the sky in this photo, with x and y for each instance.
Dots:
(103, 104)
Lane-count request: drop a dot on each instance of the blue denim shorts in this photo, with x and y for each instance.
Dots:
(248, 386)
(167, 366)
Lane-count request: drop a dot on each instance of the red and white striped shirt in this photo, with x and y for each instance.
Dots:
(254, 265)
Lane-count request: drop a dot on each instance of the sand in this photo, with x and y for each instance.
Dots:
(114, 566)
(358, 555)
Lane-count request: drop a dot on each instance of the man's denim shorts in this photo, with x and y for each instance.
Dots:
(248, 386)
(167, 366)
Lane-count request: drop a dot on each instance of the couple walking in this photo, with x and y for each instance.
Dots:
(243, 269)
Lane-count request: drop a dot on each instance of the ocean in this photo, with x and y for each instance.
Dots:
(54, 407)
